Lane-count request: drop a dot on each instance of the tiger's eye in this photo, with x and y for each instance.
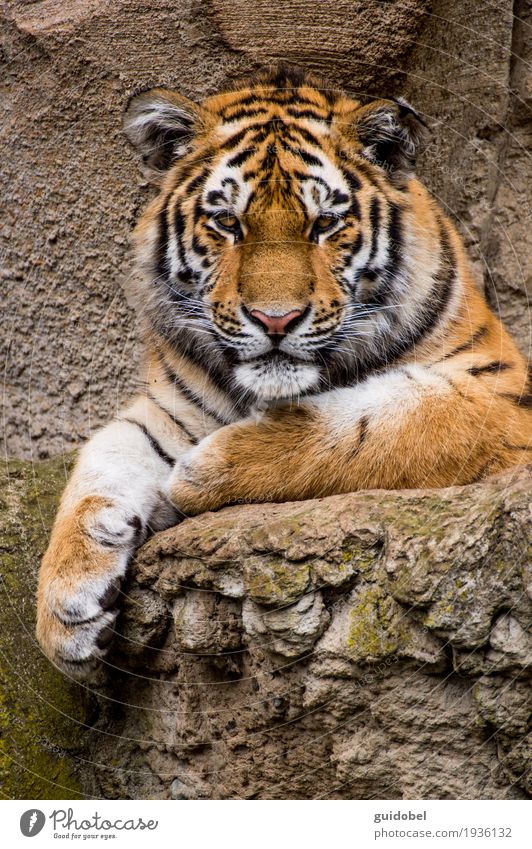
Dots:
(227, 221)
(322, 224)
(325, 222)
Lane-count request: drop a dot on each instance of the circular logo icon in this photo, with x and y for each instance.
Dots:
(32, 822)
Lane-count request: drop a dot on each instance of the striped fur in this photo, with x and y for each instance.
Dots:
(282, 204)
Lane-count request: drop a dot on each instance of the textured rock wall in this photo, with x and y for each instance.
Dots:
(71, 189)
(373, 645)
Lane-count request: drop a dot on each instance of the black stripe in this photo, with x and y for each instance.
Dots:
(188, 393)
(479, 334)
(236, 138)
(181, 425)
(197, 181)
(394, 263)
(214, 196)
(244, 101)
(187, 171)
(179, 222)
(198, 211)
(524, 400)
(187, 277)
(283, 87)
(288, 96)
(156, 446)
(363, 432)
(490, 368)
(305, 134)
(305, 113)
(239, 158)
(200, 249)
(179, 229)
(299, 175)
(364, 167)
(262, 131)
(230, 181)
(270, 159)
(512, 447)
(374, 219)
(308, 158)
(267, 164)
(354, 183)
(353, 248)
(243, 113)
(357, 244)
(161, 251)
(395, 233)
(339, 197)
(186, 274)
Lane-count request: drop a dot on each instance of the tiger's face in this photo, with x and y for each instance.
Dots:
(273, 244)
(269, 219)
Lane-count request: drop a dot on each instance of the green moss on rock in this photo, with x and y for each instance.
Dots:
(352, 560)
(42, 715)
(375, 630)
(276, 581)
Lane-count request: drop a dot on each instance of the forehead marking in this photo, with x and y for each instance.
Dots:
(319, 184)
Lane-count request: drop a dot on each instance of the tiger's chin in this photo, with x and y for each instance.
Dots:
(277, 378)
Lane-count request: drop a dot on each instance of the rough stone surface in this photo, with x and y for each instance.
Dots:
(372, 645)
(71, 185)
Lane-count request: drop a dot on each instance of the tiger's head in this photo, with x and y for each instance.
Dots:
(278, 247)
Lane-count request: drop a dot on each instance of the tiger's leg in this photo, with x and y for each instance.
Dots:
(412, 426)
(114, 497)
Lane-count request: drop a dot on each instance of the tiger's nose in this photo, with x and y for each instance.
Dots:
(276, 325)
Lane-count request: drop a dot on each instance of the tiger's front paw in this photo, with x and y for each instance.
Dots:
(80, 584)
(202, 480)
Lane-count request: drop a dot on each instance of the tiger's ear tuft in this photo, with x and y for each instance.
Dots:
(391, 134)
(161, 124)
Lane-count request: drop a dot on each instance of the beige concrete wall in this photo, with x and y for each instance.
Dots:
(71, 189)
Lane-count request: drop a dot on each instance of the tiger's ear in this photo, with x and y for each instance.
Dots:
(391, 134)
(161, 124)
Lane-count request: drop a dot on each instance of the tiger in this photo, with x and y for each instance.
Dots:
(311, 326)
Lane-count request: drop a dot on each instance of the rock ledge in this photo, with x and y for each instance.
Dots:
(374, 644)
(370, 645)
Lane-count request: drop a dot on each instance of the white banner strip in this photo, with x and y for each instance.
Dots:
(268, 824)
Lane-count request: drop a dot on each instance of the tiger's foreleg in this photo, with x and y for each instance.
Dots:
(111, 502)
(409, 427)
